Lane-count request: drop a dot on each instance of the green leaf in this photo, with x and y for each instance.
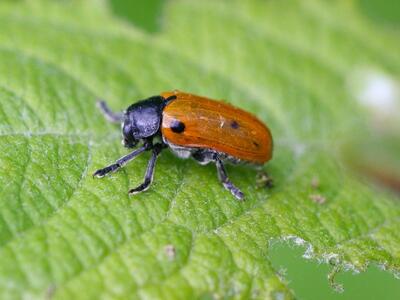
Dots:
(65, 235)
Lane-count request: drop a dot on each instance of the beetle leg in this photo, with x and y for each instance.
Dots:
(121, 162)
(148, 178)
(223, 177)
(108, 113)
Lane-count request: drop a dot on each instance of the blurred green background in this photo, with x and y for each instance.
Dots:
(146, 14)
(307, 278)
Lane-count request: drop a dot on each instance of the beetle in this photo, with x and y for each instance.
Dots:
(191, 126)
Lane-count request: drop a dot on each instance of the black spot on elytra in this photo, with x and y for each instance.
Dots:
(256, 144)
(177, 126)
(234, 124)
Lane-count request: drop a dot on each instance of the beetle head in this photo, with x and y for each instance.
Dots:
(142, 120)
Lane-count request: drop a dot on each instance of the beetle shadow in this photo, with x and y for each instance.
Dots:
(243, 175)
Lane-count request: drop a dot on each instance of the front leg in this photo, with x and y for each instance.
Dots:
(122, 161)
(148, 178)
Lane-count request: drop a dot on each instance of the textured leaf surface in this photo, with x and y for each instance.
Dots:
(65, 235)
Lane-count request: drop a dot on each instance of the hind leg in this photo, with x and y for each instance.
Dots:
(206, 156)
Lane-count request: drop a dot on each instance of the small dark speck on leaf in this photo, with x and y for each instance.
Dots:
(263, 180)
(315, 183)
(170, 251)
(51, 290)
(318, 198)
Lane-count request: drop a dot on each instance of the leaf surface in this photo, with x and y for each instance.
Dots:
(65, 235)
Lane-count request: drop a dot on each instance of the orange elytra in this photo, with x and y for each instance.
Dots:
(217, 126)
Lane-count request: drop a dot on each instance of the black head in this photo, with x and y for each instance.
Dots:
(142, 120)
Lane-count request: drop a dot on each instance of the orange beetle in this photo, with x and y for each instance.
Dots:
(191, 126)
